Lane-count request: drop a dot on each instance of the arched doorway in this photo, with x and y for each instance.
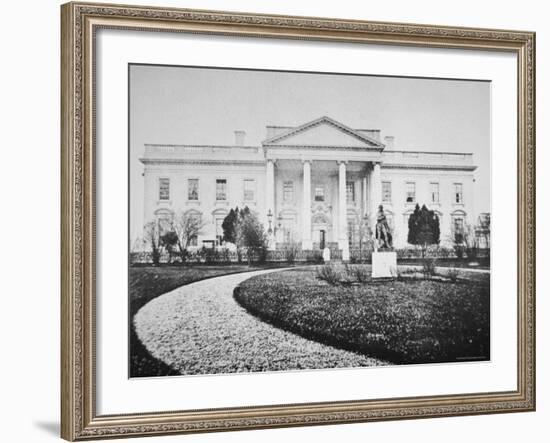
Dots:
(320, 229)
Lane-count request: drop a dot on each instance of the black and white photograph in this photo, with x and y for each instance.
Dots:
(285, 220)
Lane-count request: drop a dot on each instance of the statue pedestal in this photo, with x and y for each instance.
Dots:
(384, 264)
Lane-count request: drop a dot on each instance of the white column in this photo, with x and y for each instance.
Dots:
(306, 207)
(342, 211)
(364, 208)
(270, 199)
(375, 194)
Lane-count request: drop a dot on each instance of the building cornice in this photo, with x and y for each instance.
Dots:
(406, 151)
(430, 167)
(169, 145)
(172, 161)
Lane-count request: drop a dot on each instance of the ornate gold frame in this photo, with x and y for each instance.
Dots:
(79, 420)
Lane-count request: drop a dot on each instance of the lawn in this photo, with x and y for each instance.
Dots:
(478, 263)
(409, 321)
(147, 283)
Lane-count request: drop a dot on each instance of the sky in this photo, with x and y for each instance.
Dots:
(190, 105)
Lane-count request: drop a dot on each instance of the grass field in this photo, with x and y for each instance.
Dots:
(415, 321)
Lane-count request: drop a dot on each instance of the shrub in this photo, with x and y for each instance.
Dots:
(428, 267)
(290, 254)
(472, 252)
(361, 273)
(459, 250)
(396, 273)
(452, 274)
(155, 256)
(347, 276)
(328, 273)
(262, 254)
(225, 255)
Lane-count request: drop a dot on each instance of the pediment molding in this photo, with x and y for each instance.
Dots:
(298, 136)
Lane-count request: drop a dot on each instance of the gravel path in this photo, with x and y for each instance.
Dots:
(200, 329)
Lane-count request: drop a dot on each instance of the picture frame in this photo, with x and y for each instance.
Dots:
(79, 240)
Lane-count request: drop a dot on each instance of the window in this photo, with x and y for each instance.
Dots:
(164, 189)
(350, 192)
(288, 191)
(458, 193)
(434, 192)
(458, 228)
(249, 190)
(193, 189)
(164, 224)
(411, 192)
(193, 240)
(386, 192)
(319, 194)
(221, 189)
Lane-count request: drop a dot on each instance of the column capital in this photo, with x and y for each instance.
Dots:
(307, 160)
(272, 160)
(345, 162)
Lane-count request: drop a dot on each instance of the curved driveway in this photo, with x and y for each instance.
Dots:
(200, 329)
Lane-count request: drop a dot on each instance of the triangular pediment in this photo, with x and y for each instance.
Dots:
(323, 132)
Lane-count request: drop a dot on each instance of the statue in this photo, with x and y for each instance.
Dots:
(382, 231)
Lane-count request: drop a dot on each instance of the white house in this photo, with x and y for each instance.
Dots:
(315, 184)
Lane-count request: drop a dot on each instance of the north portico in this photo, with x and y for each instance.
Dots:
(333, 165)
(314, 185)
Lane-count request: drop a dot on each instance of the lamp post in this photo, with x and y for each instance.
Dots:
(270, 220)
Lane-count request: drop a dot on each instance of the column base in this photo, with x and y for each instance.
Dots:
(307, 245)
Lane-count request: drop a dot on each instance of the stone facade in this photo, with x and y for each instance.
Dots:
(321, 181)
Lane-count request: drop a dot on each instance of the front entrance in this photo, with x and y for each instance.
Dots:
(322, 234)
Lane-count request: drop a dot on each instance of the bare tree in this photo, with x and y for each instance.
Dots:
(484, 229)
(365, 237)
(466, 242)
(187, 226)
(152, 238)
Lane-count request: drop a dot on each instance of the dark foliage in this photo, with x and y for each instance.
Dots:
(230, 223)
(423, 227)
(169, 241)
(229, 226)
